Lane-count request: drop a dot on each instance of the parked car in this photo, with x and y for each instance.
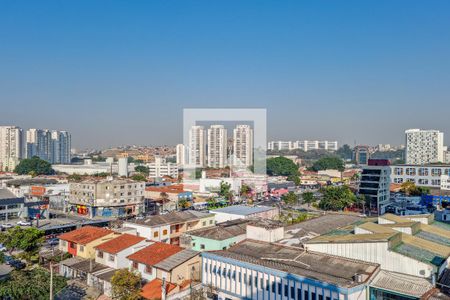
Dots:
(2, 248)
(24, 223)
(17, 264)
(53, 242)
(7, 226)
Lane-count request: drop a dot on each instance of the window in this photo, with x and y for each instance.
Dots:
(155, 234)
(313, 296)
(239, 276)
(250, 280)
(193, 244)
(135, 265)
(279, 288)
(210, 222)
(202, 246)
(299, 294)
(398, 171)
(204, 223)
(148, 269)
(100, 254)
(411, 171)
(81, 248)
(436, 172)
(165, 232)
(286, 290)
(267, 284)
(111, 257)
(320, 297)
(423, 171)
(292, 292)
(273, 287)
(72, 245)
(306, 295)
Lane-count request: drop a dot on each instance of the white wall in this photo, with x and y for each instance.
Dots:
(266, 235)
(149, 232)
(376, 252)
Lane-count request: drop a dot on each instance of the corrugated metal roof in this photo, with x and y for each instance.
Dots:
(401, 283)
(175, 260)
(242, 210)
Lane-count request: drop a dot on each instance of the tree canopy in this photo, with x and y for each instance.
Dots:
(126, 285)
(34, 166)
(410, 189)
(329, 162)
(139, 177)
(281, 166)
(30, 285)
(225, 190)
(336, 198)
(308, 197)
(290, 198)
(142, 169)
(345, 152)
(26, 239)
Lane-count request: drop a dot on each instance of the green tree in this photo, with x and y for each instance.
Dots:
(308, 198)
(345, 152)
(329, 162)
(30, 285)
(281, 166)
(139, 177)
(245, 190)
(26, 239)
(336, 198)
(225, 190)
(142, 169)
(126, 285)
(183, 203)
(34, 166)
(295, 179)
(290, 198)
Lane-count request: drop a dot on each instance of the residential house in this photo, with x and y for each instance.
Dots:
(144, 260)
(81, 242)
(169, 227)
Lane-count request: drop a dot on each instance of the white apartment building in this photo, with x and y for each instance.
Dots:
(424, 175)
(304, 145)
(197, 146)
(217, 146)
(243, 146)
(161, 168)
(424, 146)
(181, 155)
(10, 147)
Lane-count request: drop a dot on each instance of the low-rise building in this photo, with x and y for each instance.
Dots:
(169, 227)
(259, 270)
(114, 252)
(219, 237)
(165, 198)
(107, 197)
(416, 247)
(160, 168)
(82, 242)
(11, 207)
(243, 212)
(428, 175)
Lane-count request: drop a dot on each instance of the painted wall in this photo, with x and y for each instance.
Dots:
(119, 260)
(211, 245)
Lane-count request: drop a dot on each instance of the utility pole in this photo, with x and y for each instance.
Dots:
(51, 280)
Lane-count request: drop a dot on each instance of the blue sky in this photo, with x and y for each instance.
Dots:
(120, 72)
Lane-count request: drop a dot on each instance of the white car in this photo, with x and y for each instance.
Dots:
(7, 225)
(2, 248)
(24, 223)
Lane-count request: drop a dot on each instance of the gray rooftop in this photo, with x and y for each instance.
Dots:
(171, 218)
(401, 283)
(6, 194)
(322, 267)
(242, 210)
(175, 260)
(297, 234)
(222, 231)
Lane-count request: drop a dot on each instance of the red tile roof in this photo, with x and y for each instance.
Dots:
(119, 243)
(170, 189)
(152, 290)
(154, 253)
(85, 234)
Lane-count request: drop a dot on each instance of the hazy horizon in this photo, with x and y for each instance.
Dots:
(120, 73)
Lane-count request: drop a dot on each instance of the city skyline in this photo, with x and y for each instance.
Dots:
(330, 71)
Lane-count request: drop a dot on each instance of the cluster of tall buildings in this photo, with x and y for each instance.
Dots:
(210, 148)
(303, 145)
(50, 145)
